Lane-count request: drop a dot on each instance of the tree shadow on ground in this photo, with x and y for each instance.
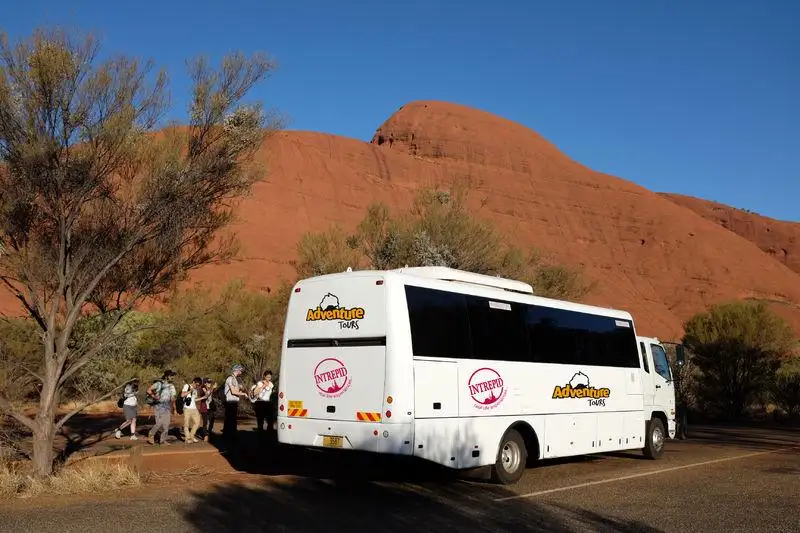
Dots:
(92, 433)
(313, 505)
(746, 437)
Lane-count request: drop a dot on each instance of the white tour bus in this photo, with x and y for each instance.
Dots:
(467, 371)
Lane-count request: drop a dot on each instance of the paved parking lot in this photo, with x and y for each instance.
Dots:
(719, 480)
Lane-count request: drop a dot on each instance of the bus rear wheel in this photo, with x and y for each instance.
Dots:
(654, 441)
(511, 458)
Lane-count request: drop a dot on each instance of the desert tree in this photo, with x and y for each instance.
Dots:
(738, 348)
(785, 391)
(102, 204)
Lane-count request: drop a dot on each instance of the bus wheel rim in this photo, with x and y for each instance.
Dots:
(510, 457)
(658, 438)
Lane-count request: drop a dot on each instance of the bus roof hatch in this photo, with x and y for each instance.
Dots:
(462, 276)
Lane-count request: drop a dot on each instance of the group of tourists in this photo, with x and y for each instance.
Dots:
(198, 401)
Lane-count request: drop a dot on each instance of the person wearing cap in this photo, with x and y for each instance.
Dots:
(233, 392)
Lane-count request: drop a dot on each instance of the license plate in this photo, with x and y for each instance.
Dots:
(295, 404)
(332, 442)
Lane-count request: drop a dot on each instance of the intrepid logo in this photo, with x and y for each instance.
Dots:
(331, 378)
(330, 309)
(486, 387)
(579, 387)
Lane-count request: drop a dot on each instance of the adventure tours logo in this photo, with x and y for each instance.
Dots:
(579, 387)
(331, 378)
(487, 389)
(330, 309)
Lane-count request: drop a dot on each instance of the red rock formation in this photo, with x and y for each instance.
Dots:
(777, 238)
(650, 256)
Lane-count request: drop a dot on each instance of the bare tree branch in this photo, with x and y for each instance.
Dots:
(64, 419)
(9, 409)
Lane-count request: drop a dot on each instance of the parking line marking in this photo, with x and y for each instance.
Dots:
(642, 474)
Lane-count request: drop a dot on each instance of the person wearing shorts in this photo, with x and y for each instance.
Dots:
(129, 409)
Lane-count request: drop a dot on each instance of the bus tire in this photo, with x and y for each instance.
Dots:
(511, 458)
(655, 439)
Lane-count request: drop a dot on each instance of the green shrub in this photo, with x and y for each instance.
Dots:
(437, 230)
(738, 348)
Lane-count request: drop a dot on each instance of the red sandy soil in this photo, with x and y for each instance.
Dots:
(662, 258)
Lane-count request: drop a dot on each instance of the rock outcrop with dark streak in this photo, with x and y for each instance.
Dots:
(777, 238)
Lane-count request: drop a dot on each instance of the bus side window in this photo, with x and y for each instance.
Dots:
(644, 358)
(497, 330)
(439, 324)
(660, 362)
(571, 337)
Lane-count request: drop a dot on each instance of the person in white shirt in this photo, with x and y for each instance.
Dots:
(191, 414)
(262, 392)
(129, 409)
(233, 392)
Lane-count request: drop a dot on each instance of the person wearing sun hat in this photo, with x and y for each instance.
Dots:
(233, 392)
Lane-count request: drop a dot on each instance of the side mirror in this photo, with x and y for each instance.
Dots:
(680, 355)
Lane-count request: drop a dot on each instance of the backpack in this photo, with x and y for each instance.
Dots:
(220, 394)
(124, 395)
(152, 400)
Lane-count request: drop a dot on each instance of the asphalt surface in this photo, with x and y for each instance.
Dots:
(719, 480)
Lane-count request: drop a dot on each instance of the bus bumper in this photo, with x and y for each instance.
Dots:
(671, 426)
(347, 435)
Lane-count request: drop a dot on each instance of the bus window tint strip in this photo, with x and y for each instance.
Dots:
(454, 325)
(328, 343)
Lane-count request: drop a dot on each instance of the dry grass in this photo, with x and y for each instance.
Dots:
(186, 476)
(100, 408)
(85, 478)
(104, 407)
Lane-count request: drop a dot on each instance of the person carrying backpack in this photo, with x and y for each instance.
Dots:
(128, 404)
(190, 396)
(161, 395)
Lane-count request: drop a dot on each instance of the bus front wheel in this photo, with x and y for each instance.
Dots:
(511, 458)
(654, 441)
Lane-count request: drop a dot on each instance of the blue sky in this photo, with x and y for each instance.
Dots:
(699, 98)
